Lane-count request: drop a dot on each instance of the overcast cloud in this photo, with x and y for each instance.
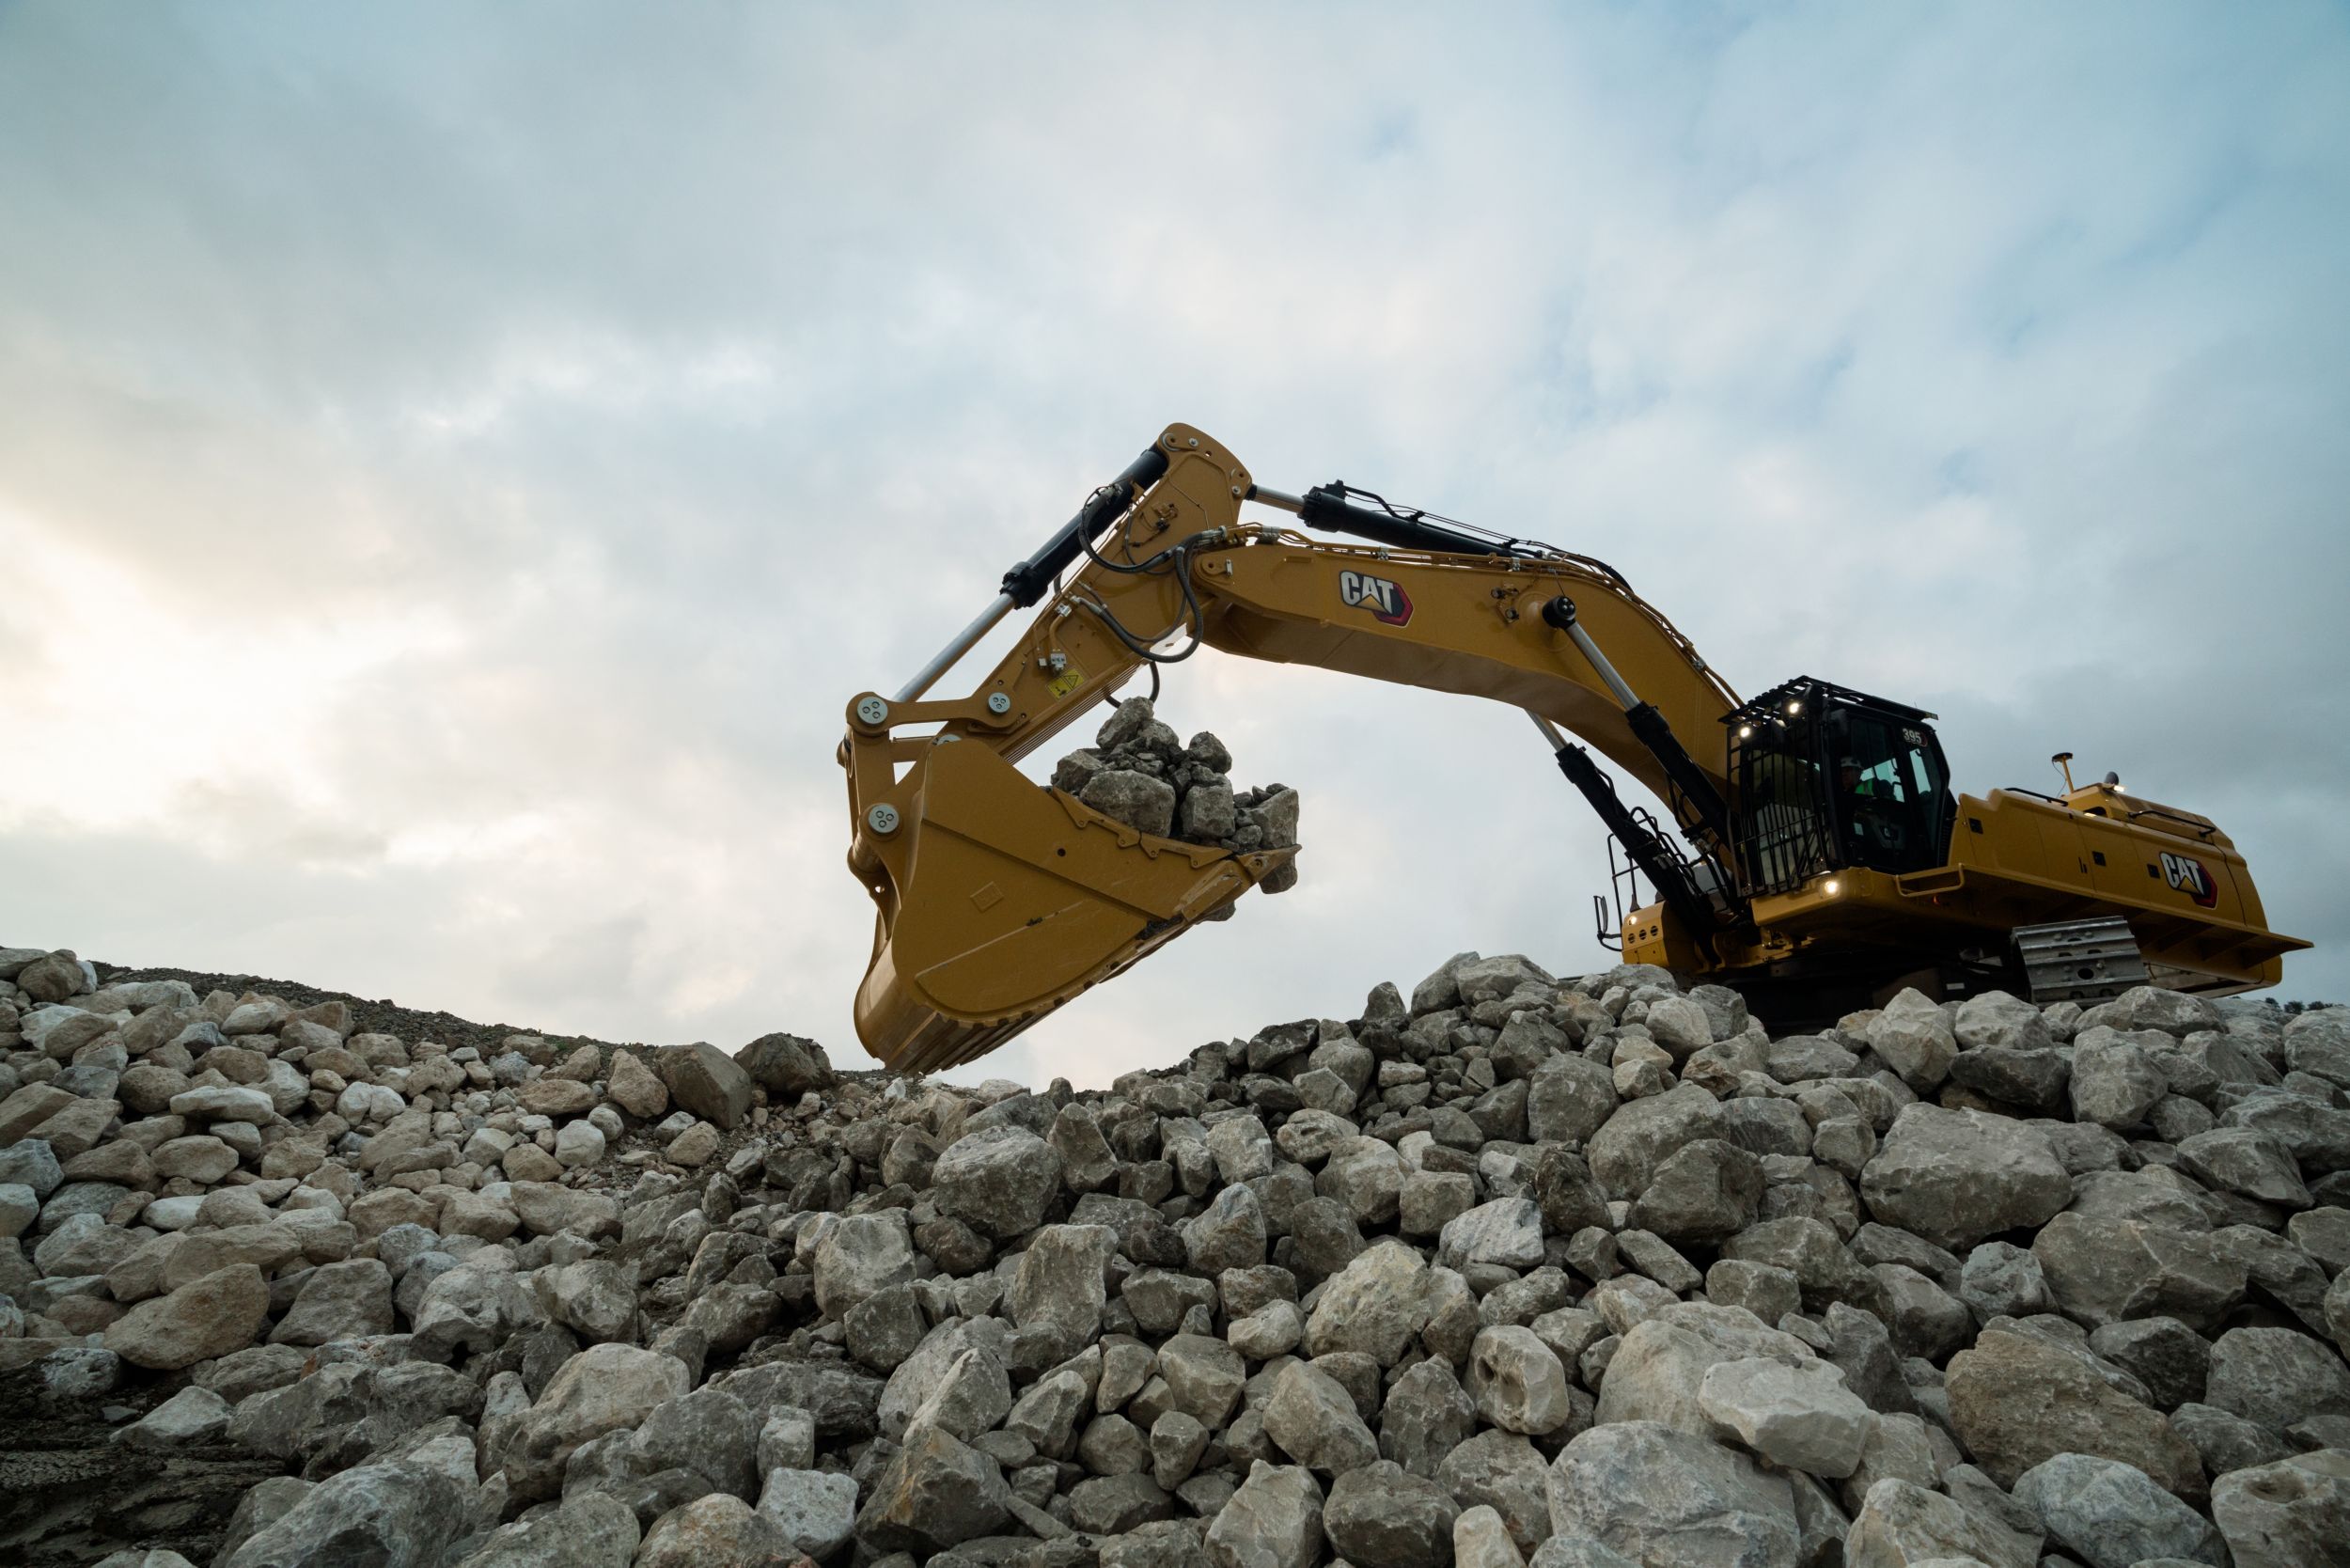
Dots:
(457, 462)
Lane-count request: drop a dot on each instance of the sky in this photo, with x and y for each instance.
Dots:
(456, 462)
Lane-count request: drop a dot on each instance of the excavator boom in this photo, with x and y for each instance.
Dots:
(999, 900)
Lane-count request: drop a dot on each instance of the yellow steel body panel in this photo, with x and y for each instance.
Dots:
(2020, 860)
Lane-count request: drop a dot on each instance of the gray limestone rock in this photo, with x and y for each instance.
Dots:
(1273, 1521)
(1508, 1231)
(1799, 1417)
(1381, 1516)
(1229, 1233)
(346, 1300)
(1142, 802)
(2015, 1400)
(2248, 1162)
(1517, 1382)
(816, 1510)
(2000, 1280)
(1669, 1498)
(717, 1531)
(2111, 1515)
(1904, 1525)
(190, 1416)
(998, 1180)
(857, 1256)
(1640, 1137)
(1912, 1037)
(2276, 1376)
(786, 1065)
(594, 1298)
(603, 1388)
(209, 1316)
(935, 1494)
(1957, 1177)
(1374, 1305)
(2293, 1513)
(1427, 1414)
(1314, 1421)
(401, 1514)
(2169, 1357)
(589, 1529)
(1579, 1551)
(2116, 1080)
(2102, 1271)
(1569, 1098)
(1057, 1287)
(1703, 1191)
(1505, 1472)
(708, 1082)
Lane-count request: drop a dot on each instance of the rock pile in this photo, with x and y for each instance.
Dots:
(1514, 1270)
(1138, 771)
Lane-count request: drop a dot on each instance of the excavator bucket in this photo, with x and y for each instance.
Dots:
(1000, 900)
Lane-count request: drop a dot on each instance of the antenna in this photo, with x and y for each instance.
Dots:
(2063, 762)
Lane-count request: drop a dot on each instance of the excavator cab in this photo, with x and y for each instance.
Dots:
(1827, 777)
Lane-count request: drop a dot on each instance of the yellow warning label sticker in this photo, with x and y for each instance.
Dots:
(1066, 682)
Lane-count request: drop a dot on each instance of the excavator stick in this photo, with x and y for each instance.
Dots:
(1001, 900)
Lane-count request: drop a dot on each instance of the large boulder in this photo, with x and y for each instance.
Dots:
(1642, 1134)
(594, 1298)
(786, 1066)
(1314, 1421)
(2248, 1162)
(717, 1531)
(859, 1255)
(348, 1300)
(399, 1514)
(1374, 1305)
(1505, 1472)
(1508, 1231)
(635, 1088)
(2111, 1515)
(1956, 1177)
(2116, 1080)
(2274, 1377)
(1060, 1285)
(1382, 1516)
(1903, 1524)
(1704, 1192)
(1657, 1372)
(705, 1080)
(1568, 1098)
(2016, 1400)
(1668, 1498)
(1273, 1521)
(590, 1530)
(1799, 1417)
(2102, 1271)
(999, 1180)
(209, 1316)
(2292, 1513)
(1518, 1381)
(935, 1493)
(603, 1388)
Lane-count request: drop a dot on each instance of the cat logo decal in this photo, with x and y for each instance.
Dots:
(1385, 600)
(2190, 877)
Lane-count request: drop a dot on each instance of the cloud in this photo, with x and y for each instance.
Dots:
(458, 468)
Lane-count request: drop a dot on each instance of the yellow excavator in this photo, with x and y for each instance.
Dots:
(1817, 859)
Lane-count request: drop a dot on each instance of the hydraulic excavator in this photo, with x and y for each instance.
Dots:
(1816, 859)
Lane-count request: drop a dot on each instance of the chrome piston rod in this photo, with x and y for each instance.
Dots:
(956, 648)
